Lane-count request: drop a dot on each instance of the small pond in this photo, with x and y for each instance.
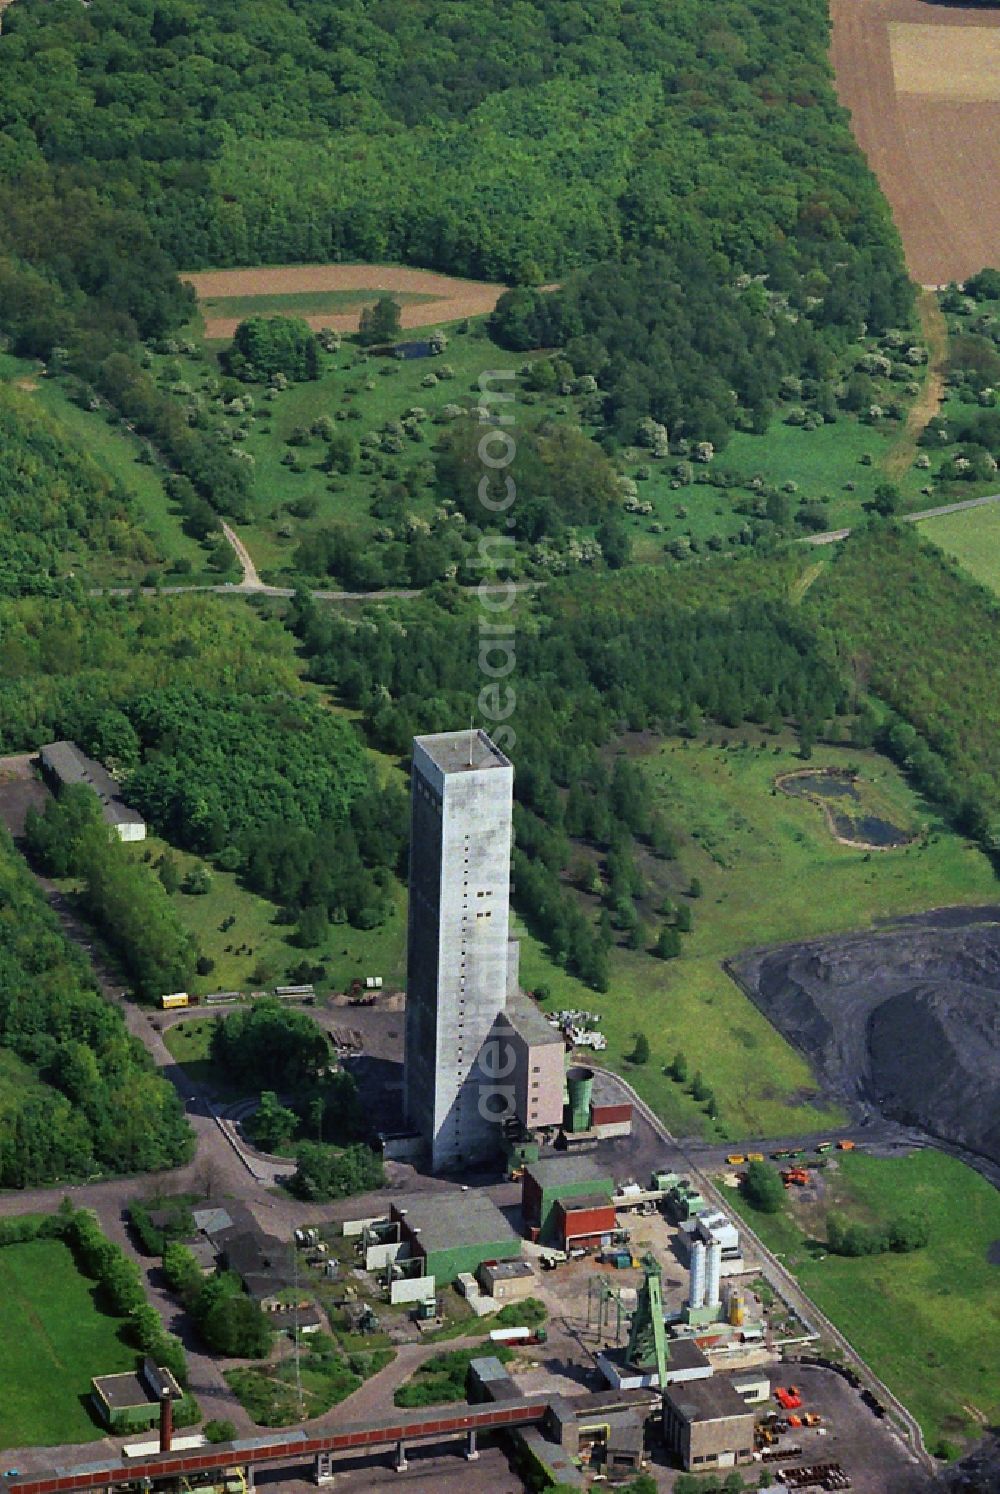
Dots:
(833, 790)
(819, 786)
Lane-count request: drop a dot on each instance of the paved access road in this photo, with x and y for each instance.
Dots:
(831, 536)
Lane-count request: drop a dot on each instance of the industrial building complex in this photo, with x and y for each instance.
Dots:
(641, 1332)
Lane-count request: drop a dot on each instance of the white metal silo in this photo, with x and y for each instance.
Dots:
(696, 1297)
(713, 1274)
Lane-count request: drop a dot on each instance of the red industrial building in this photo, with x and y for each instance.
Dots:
(583, 1221)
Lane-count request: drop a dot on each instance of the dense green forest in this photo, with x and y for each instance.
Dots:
(695, 188)
(56, 504)
(127, 902)
(80, 1094)
(66, 665)
(918, 632)
(670, 335)
(274, 786)
(495, 141)
(229, 759)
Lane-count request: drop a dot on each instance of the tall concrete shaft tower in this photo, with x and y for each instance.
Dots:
(457, 958)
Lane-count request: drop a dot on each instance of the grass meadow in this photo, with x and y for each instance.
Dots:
(259, 944)
(55, 1339)
(971, 537)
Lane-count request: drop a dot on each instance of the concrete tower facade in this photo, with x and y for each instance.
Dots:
(458, 956)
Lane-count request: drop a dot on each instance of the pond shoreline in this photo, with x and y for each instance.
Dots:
(846, 782)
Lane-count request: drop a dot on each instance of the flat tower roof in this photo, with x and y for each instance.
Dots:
(462, 751)
(527, 1020)
(572, 1202)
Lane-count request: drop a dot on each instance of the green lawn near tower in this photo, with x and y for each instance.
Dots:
(54, 1339)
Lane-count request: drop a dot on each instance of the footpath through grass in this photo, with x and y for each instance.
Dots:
(53, 1340)
(928, 1322)
(770, 871)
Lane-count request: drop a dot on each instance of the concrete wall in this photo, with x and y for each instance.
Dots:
(412, 1289)
(538, 1080)
(358, 1226)
(377, 1256)
(135, 830)
(403, 1148)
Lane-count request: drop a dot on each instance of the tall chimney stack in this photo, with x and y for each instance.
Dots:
(166, 1421)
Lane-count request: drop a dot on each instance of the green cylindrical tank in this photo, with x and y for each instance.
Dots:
(580, 1087)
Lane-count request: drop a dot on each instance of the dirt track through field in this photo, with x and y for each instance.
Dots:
(453, 298)
(928, 402)
(925, 108)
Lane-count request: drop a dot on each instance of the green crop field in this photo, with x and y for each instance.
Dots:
(303, 303)
(926, 1322)
(54, 1341)
(770, 871)
(971, 537)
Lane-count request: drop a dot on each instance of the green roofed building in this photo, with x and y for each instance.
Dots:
(455, 1232)
(131, 1402)
(554, 1178)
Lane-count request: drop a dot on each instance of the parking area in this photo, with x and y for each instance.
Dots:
(872, 1456)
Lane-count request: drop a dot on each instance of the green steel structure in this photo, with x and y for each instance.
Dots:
(647, 1340)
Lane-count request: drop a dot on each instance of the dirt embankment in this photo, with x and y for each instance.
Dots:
(904, 1023)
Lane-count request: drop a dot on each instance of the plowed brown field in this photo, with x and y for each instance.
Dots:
(922, 83)
(452, 298)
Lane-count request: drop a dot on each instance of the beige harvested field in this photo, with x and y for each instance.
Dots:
(922, 83)
(946, 62)
(450, 298)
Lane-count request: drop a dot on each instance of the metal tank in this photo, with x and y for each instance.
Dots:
(580, 1088)
(696, 1297)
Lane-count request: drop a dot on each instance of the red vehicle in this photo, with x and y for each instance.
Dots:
(788, 1400)
(797, 1175)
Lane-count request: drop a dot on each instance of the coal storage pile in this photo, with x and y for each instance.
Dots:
(904, 1022)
